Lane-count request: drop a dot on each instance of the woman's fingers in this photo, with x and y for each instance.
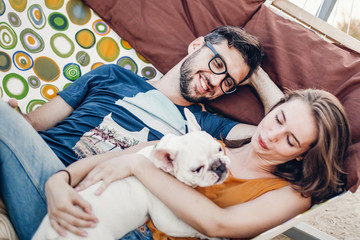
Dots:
(71, 224)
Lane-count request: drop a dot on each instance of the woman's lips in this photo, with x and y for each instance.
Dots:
(262, 143)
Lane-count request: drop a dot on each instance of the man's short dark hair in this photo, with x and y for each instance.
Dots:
(248, 45)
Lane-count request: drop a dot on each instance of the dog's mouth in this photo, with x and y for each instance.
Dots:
(220, 169)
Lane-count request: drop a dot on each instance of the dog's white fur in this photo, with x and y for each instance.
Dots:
(194, 158)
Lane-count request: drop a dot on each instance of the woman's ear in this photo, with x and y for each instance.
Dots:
(196, 44)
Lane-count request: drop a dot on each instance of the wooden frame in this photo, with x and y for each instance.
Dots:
(330, 33)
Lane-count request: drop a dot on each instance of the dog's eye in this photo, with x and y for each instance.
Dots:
(198, 169)
(220, 149)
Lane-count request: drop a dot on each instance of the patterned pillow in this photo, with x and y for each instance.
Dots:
(46, 45)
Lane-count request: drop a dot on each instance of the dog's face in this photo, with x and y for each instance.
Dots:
(194, 158)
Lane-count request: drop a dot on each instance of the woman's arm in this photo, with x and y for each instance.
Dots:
(243, 220)
(66, 208)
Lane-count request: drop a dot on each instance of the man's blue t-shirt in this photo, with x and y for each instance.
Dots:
(116, 109)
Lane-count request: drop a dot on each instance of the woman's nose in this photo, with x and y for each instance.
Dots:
(275, 134)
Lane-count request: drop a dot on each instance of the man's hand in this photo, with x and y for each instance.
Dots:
(14, 104)
(67, 210)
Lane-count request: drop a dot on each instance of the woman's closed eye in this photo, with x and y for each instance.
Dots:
(277, 119)
(289, 141)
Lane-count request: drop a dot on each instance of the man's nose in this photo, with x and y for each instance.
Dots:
(216, 79)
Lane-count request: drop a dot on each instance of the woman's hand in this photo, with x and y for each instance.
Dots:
(110, 170)
(67, 210)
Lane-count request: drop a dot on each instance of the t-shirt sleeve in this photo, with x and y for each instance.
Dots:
(217, 126)
(75, 94)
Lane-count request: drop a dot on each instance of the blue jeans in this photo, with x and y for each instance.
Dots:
(26, 162)
(141, 233)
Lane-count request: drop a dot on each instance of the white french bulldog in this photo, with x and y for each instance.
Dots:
(194, 158)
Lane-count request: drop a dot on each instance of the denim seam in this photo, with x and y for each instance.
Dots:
(25, 167)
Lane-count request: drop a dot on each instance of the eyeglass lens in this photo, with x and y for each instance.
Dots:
(218, 66)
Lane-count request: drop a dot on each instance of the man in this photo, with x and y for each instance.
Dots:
(109, 109)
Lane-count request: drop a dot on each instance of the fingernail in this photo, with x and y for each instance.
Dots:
(84, 234)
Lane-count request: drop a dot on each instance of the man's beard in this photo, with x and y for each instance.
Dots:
(185, 79)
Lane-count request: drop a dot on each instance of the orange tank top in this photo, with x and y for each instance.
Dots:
(231, 192)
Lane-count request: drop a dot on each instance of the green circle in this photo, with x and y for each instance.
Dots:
(56, 48)
(66, 85)
(58, 21)
(5, 62)
(8, 37)
(128, 63)
(83, 58)
(72, 72)
(33, 104)
(8, 78)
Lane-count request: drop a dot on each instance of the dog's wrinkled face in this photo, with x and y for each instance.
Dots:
(196, 158)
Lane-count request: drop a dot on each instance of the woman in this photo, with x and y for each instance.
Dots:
(294, 159)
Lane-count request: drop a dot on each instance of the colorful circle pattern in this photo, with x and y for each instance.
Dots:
(22, 60)
(83, 58)
(36, 16)
(18, 5)
(5, 62)
(62, 45)
(128, 63)
(101, 28)
(8, 38)
(46, 69)
(54, 4)
(34, 104)
(58, 21)
(148, 72)
(15, 86)
(14, 19)
(108, 49)
(85, 38)
(34, 81)
(78, 12)
(31, 41)
(49, 91)
(46, 45)
(72, 71)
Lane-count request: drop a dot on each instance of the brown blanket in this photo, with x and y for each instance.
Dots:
(295, 57)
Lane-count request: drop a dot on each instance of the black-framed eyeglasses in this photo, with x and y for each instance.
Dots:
(217, 65)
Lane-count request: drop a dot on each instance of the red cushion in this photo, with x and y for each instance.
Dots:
(161, 30)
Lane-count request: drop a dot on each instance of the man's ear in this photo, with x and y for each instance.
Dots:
(196, 44)
(191, 121)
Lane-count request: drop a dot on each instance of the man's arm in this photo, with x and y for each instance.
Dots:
(47, 115)
(268, 92)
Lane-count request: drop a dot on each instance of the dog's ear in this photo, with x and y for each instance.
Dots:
(191, 121)
(163, 159)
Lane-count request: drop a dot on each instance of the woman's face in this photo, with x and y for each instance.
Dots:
(286, 132)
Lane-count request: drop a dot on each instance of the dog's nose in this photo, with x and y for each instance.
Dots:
(219, 168)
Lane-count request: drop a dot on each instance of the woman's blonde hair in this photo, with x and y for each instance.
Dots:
(320, 175)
